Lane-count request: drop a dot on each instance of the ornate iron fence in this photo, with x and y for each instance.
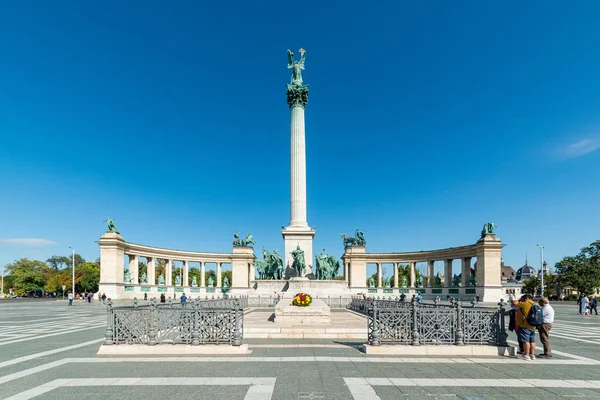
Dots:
(197, 322)
(419, 324)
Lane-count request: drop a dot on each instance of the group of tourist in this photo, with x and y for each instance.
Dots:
(586, 306)
(526, 318)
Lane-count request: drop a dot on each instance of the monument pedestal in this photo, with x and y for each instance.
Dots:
(302, 237)
(318, 312)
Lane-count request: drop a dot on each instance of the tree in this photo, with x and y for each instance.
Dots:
(142, 269)
(210, 274)
(194, 272)
(60, 262)
(532, 286)
(27, 275)
(87, 277)
(582, 271)
(229, 276)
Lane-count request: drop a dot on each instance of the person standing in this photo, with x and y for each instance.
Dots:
(583, 305)
(183, 299)
(526, 331)
(162, 298)
(544, 329)
(70, 297)
(103, 298)
(593, 305)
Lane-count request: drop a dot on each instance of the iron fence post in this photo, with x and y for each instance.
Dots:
(135, 302)
(108, 334)
(195, 333)
(460, 335)
(415, 328)
(502, 335)
(237, 337)
(152, 320)
(374, 336)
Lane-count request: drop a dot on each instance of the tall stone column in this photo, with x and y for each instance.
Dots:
(431, 273)
(447, 273)
(133, 269)
(379, 275)
(112, 260)
(151, 267)
(298, 233)
(413, 275)
(465, 271)
(169, 273)
(395, 266)
(219, 270)
(186, 273)
(202, 274)
(346, 268)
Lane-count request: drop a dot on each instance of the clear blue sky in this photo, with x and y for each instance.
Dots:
(425, 120)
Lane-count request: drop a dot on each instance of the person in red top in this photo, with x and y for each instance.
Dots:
(526, 331)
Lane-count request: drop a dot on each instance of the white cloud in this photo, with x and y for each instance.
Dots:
(30, 242)
(581, 147)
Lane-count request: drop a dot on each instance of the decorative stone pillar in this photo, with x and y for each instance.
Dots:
(413, 275)
(448, 273)
(202, 274)
(151, 274)
(465, 271)
(112, 260)
(379, 275)
(298, 233)
(169, 273)
(219, 268)
(395, 266)
(431, 273)
(241, 271)
(346, 268)
(134, 268)
(357, 266)
(489, 271)
(186, 273)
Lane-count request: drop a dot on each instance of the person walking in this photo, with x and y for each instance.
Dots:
(275, 298)
(162, 298)
(103, 298)
(526, 330)
(583, 305)
(70, 297)
(593, 305)
(544, 329)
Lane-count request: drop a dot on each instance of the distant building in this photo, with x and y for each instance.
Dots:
(525, 272)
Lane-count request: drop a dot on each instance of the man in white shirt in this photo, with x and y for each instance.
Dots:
(547, 321)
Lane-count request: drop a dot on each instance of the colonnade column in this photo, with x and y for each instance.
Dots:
(430, 273)
(251, 276)
(465, 271)
(186, 274)
(133, 269)
(413, 276)
(346, 268)
(169, 272)
(151, 268)
(379, 275)
(447, 273)
(395, 266)
(219, 266)
(202, 273)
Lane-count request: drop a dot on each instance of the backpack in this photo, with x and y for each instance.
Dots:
(535, 316)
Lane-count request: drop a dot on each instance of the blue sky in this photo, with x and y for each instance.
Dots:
(425, 120)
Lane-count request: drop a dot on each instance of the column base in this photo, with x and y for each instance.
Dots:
(297, 236)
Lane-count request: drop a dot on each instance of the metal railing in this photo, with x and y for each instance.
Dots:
(197, 322)
(428, 324)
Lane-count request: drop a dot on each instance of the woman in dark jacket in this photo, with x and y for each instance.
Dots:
(162, 298)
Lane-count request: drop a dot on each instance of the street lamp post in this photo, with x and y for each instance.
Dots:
(2, 284)
(73, 276)
(542, 267)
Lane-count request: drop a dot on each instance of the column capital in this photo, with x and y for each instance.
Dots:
(297, 95)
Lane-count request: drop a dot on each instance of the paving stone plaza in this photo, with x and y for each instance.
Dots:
(48, 351)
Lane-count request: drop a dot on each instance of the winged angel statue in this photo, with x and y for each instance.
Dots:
(296, 66)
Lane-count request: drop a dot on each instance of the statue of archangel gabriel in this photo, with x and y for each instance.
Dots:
(296, 66)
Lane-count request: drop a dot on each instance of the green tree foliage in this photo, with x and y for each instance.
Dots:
(27, 275)
(582, 271)
(61, 262)
(194, 272)
(142, 269)
(210, 274)
(160, 268)
(532, 286)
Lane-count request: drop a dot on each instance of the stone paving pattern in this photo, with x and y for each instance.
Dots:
(304, 369)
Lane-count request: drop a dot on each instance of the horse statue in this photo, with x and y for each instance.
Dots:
(261, 268)
(488, 229)
(358, 240)
(246, 242)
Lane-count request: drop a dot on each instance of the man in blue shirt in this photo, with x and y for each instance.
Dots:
(183, 298)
